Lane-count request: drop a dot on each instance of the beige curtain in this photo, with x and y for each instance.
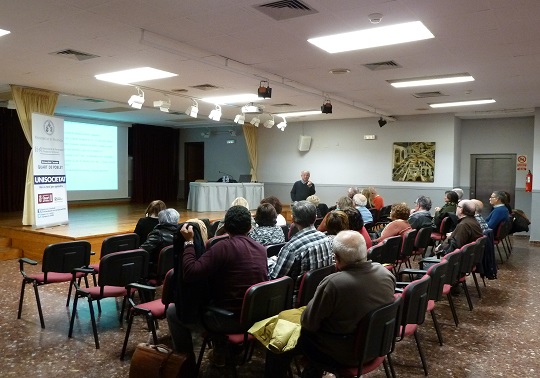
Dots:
(28, 101)
(250, 134)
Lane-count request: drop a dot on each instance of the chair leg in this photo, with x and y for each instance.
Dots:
(391, 365)
(386, 370)
(71, 284)
(205, 342)
(453, 308)
(21, 299)
(467, 295)
(476, 284)
(421, 352)
(126, 338)
(73, 313)
(500, 255)
(437, 327)
(93, 318)
(38, 301)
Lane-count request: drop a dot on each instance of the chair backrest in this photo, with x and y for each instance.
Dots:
(212, 229)
(66, 256)
(423, 238)
(165, 260)
(167, 292)
(437, 273)
(415, 300)
(375, 214)
(285, 229)
(376, 333)
(292, 230)
(454, 264)
(467, 260)
(309, 283)
(407, 246)
(273, 249)
(122, 268)
(384, 213)
(117, 243)
(503, 229)
(318, 222)
(480, 248)
(375, 253)
(446, 226)
(392, 249)
(216, 239)
(266, 299)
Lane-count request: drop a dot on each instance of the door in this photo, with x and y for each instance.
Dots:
(490, 173)
(193, 164)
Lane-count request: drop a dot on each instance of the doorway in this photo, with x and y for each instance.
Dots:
(193, 164)
(490, 173)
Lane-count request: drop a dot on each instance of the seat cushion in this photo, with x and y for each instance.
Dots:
(108, 291)
(350, 372)
(156, 308)
(54, 277)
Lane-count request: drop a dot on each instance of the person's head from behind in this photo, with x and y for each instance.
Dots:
(459, 192)
(336, 221)
(169, 216)
(314, 200)
(424, 203)
(266, 215)
(344, 202)
(274, 201)
(367, 194)
(304, 213)
(373, 191)
(154, 208)
(399, 211)
(240, 201)
(479, 206)
(466, 208)
(352, 191)
(360, 199)
(451, 196)
(237, 220)
(355, 219)
(349, 247)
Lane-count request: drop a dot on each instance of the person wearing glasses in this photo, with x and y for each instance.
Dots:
(420, 215)
(467, 230)
(500, 212)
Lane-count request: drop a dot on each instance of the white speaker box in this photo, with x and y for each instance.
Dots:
(304, 143)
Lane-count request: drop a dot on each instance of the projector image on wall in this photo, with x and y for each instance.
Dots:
(252, 109)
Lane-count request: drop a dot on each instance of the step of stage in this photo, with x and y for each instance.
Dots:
(9, 253)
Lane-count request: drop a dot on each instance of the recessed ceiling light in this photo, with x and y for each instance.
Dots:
(4, 32)
(431, 80)
(463, 103)
(374, 37)
(299, 114)
(134, 75)
(232, 99)
(340, 71)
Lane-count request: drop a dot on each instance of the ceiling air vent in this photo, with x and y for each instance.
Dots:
(428, 94)
(74, 54)
(379, 66)
(205, 87)
(285, 9)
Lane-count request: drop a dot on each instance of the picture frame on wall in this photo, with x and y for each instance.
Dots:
(413, 161)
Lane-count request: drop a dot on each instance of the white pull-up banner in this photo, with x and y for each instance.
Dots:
(50, 195)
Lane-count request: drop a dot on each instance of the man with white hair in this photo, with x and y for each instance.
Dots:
(302, 188)
(330, 319)
(360, 202)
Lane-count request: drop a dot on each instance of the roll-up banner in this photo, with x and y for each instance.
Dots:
(50, 195)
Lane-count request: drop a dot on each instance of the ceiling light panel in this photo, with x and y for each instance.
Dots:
(431, 80)
(4, 32)
(300, 114)
(134, 75)
(463, 103)
(232, 99)
(374, 37)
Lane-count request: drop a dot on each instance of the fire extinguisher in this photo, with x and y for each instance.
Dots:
(528, 182)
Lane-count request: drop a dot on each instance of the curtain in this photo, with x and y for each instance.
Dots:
(14, 152)
(250, 134)
(155, 163)
(28, 101)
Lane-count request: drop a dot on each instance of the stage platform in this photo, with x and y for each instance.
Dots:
(91, 222)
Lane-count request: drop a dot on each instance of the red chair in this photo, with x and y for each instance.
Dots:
(439, 236)
(116, 243)
(422, 241)
(309, 283)
(407, 249)
(499, 237)
(273, 249)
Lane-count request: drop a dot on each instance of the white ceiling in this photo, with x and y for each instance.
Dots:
(232, 45)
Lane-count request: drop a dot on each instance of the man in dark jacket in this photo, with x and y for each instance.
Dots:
(161, 236)
(467, 230)
(303, 188)
(420, 216)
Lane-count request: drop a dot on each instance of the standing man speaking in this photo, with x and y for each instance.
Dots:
(303, 188)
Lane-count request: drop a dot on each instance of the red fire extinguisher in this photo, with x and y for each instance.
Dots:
(528, 182)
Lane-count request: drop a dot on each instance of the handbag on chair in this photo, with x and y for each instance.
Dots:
(160, 361)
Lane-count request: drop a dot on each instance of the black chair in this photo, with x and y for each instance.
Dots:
(213, 228)
(384, 213)
(216, 239)
(273, 249)
(164, 264)
(292, 231)
(285, 229)
(59, 261)
(478, 258)
(116, 243)
(261, 301)
(375, 213)
(438, 236)
(375, 341)
(407, 249)
(152, 311)
(422, 241)
(309, 283)
(116, 271)
(466, 268)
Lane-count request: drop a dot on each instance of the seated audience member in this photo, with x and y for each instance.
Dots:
(449, 207)
(336, 221)
(274, 201)
(357, 224)
(420, 216)
(231, 266)
(308, 249)
(238, 201)
(360, 202)
(399, 214)
(499, 213)
(342, 203)
(161, 236)
(367, 193)
(466, 231)
(202, 228)
(331, 312)
(352, 191)
(150, 220)
(378, 201)
(459, 193)
(316, 201)
(478, 214)
(266, 232)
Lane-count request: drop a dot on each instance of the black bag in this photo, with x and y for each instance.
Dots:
(520, 222)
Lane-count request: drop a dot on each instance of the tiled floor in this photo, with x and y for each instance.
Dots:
(499, 338)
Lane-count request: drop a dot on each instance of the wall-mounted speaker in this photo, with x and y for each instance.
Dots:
(304, 143)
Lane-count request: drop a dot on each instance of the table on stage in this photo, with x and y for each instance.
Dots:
(218, 196)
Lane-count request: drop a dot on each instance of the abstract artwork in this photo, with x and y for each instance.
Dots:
(413, 161)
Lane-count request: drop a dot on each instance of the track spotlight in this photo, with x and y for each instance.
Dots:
(193, 110)
(269, 123)
(264, 91)
(240, 119)
(255, 121)
(282, 125)
(326, 107)
(382, 122)
(215, 114)
(164, 106)
(137, 101)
